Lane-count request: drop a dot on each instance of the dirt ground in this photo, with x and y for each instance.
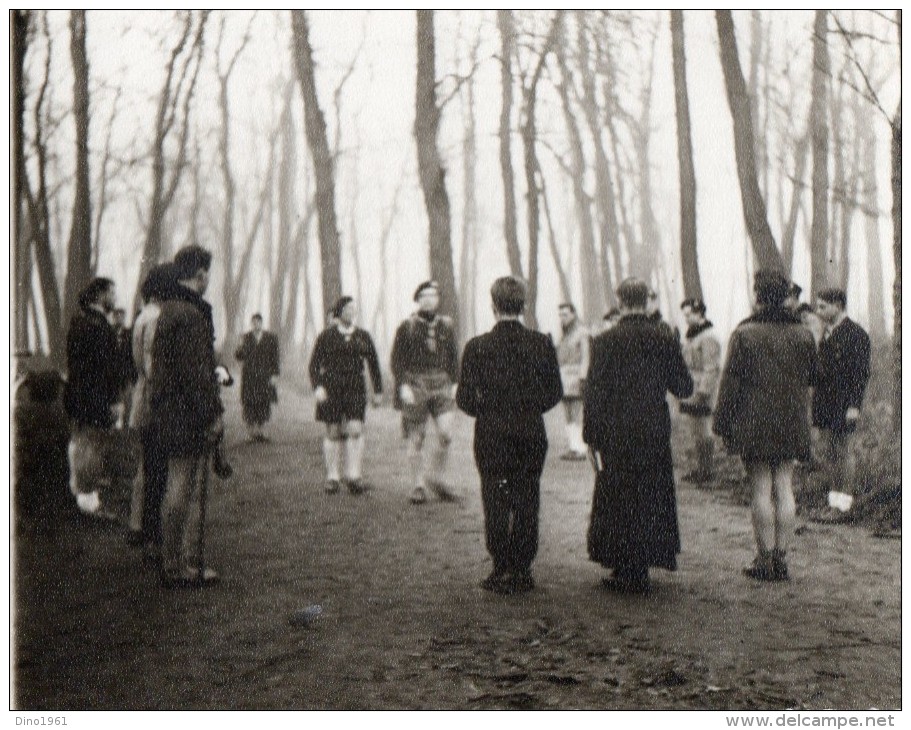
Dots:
(404, 623)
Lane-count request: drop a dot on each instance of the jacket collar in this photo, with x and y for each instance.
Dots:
(773, 315)
(698, 329)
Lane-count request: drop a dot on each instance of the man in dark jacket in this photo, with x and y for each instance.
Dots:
(844, 369)
(425, 365)
(510, 377)
(628, 427)
(91, 391)
(259, 354)
(184, 405)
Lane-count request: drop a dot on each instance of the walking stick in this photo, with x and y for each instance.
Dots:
(203, 496)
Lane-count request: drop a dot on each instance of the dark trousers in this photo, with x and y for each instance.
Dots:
(155, 476)
(511, 521)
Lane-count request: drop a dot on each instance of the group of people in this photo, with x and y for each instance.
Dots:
(172, 405)
(614, 388)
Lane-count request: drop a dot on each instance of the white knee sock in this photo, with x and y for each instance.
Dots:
(575, 437)
(355, 456)
(332, 455)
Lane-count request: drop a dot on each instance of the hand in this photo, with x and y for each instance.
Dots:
(852, 414)
(377, 400)
(320, 394)
(407, 395)
(273, 381)
(216, 430)
(223, 376)
(455, 389)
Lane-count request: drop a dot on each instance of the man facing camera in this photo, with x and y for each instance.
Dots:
(510, 377)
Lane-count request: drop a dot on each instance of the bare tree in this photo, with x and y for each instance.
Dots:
(430, 165)
(593, 277)
(754, 208)
(819, 234)
(172, 119)
(468, 258)
(79, 259)
(323, 164)
(529, 133)
(689, 253)
(896, 150)
(875, 284)
(506, 24)
(22, 241)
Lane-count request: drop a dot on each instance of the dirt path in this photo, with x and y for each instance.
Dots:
(405, 624)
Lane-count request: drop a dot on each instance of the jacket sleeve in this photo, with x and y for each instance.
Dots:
(592, 422)
(316, 361)
(731, 388)
(196, 368)
(373, 364)
(710, 351)
(453, 363)
(275, 356)
(244, 350)
(679, 382)
(858, 352)
(397, 357)
(467, 391)
(585, 344)
(549, 376)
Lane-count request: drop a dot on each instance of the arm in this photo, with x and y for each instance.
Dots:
(244, 349)
(195, 366)
(680, 382)
(549, 376)
(729, 392)
(275, 356)
(859, 368)
(373, 364)
(316, 362)
(711, 366)
(452, 366)
(585, 345)
(467, 391)
(592, 425)
(397, 357)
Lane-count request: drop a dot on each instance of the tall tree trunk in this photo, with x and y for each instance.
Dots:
(754, 209)
(790, 227)
(897, 248)
(565, 289)
(323, 165)
(819, 232)
(430, 166)
(23, 231)
(79, 258)
(510, 228)
(689, 252)
(173, 113)
(287, 210)
(470, 207)
(606, 196)
(593, 283)
(875, 284)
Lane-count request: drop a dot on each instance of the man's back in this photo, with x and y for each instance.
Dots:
(509, 374)
(633, 367)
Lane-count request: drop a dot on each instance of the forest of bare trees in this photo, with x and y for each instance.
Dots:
(318, 154)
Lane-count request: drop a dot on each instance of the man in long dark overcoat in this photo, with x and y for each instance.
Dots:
(627, 425)
(260, 357)
(510, 377)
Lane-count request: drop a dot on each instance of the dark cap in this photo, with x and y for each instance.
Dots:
(424, 286)
(340, 304)
(633, 292)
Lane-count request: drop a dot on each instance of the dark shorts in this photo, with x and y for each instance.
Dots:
(346, 405)
(432, 397)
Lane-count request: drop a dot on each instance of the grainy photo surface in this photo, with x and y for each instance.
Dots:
(456, 360)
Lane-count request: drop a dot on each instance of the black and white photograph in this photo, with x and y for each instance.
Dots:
(456, 360)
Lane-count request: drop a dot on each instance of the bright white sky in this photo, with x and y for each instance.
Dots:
(125, 48)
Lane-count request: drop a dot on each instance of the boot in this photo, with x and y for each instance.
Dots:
(762, 568)
(779, 566)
